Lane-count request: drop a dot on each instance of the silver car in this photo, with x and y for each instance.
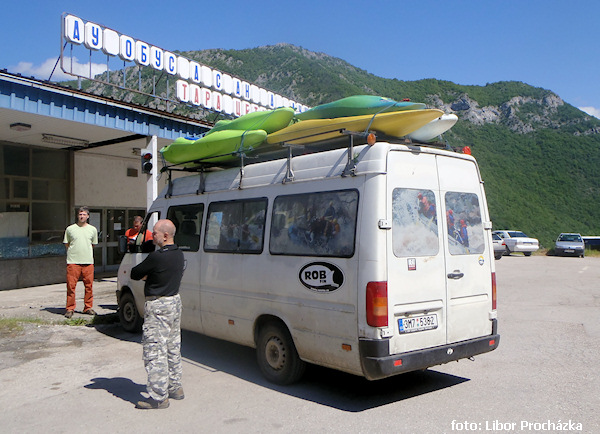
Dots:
(499, 246)
(569, 244)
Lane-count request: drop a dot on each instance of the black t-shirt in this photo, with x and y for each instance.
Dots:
(164, 268)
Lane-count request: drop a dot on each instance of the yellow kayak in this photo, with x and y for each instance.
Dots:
(397, 124)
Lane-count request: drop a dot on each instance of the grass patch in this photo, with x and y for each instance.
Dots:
(76, 322)
(592, 253)
(110, 318)
(15, 325)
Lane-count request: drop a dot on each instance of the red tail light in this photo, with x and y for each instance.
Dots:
(377, 304)
(493, 291)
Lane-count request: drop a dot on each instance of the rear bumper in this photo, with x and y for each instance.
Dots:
(377, 364)
(525, 248)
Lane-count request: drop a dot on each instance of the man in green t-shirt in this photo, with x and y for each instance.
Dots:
(80, 239)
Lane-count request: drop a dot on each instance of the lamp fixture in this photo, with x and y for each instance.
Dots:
(65, 141)
(20, 126)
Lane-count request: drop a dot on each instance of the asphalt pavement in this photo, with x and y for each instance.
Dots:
(58, 378)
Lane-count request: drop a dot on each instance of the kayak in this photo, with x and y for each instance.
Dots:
(216, 147)
(396, 124)
(434, 128)
(357, 105)
(269, 121)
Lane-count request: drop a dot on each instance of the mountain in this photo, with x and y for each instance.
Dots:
(539, 156)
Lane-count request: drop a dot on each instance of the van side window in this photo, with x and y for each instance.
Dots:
(315, 224)
(465, 230)
(188, 223)
(414, 223)
(236, 226)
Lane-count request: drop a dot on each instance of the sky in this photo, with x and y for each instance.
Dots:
(553, 44)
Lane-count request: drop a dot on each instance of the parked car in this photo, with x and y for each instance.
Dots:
(499, 246)
(569, 244)
(517, 241)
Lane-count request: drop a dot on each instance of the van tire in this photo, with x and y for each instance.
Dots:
(276, 354)
(129, 317)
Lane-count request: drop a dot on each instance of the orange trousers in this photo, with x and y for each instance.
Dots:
(74, 273)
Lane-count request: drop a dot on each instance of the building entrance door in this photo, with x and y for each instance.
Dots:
(111, 223)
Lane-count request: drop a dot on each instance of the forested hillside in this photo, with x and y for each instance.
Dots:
(539, 156)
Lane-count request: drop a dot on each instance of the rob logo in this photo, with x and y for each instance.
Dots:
(321, 277)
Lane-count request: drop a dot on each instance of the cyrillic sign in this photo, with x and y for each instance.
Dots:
(196, 84)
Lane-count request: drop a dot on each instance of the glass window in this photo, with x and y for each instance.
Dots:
(414, 223)
(115, 224)
(16, 160)
(48, 216)
(49, 164)
(34, 182)
(236, 227)
(20, 189)
(315, 224)
(4, 188)
(465, 229)
(188, 224)
(49, 190)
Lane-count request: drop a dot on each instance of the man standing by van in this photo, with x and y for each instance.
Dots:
(80, 239)
(161, 339)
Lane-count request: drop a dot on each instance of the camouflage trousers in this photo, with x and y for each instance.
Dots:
(161, 344)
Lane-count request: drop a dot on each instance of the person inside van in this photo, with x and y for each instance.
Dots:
(134, 231)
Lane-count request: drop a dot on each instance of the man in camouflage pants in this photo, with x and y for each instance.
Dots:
(161, 340)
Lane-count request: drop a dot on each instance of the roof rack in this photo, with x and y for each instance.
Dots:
(288, 150)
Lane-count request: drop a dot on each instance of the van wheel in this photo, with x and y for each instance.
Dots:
(130, 318)
(277, 356)
(527, 253)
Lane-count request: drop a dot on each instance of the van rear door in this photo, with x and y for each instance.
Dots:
(415, 250)
(439, 270)
(469, 260)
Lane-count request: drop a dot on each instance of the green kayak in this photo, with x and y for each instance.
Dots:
(269, 121)
(357, 105)
(222, 145)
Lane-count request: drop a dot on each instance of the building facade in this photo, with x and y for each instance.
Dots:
(61, 149)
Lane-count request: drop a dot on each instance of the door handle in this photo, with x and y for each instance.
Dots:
(456, 274)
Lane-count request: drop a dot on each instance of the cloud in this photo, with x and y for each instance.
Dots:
(44, 70)
(591, 111)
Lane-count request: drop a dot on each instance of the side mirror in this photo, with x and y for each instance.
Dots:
(122, 244)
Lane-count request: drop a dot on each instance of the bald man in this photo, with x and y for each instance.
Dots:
(161, 340)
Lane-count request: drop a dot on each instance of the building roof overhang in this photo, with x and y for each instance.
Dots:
(48, 112)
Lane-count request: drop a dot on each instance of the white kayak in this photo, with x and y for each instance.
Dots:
(434, 128)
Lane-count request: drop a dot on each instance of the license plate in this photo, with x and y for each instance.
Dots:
(569, 251)
(417, 323)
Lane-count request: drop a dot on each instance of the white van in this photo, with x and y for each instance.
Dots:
(373, 260)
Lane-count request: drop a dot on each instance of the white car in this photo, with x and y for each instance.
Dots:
(517, 241)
